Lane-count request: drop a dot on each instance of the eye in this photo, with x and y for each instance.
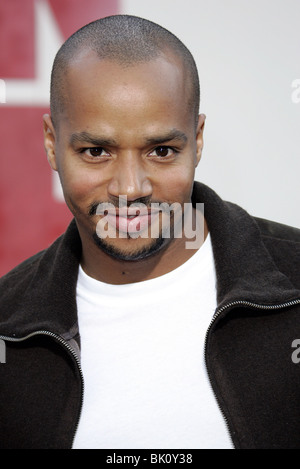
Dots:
(163, 152)
(94, 152)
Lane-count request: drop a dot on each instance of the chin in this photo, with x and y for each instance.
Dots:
(130, 254)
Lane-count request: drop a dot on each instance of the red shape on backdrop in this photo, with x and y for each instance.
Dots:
(73, 14)
(17, 38)
(30, 218)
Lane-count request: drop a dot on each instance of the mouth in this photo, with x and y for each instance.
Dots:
(132, 220)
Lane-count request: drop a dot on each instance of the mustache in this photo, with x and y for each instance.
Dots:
(120, 202)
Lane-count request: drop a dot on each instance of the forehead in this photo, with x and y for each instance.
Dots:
(157, 89)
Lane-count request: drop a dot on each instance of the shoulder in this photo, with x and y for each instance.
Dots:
(14, 284)
(41, 262)
(14, 287)
(16, 281)
(22, 269)
(283, 244)
(30, 291)
(39, 270)
(278, 231)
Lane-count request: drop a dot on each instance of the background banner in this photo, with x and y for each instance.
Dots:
(247, 55)
(32, 211)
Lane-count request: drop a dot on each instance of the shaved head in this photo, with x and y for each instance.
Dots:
(127, 40)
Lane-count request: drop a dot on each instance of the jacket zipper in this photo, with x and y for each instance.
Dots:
(215, 317)
(70, 351)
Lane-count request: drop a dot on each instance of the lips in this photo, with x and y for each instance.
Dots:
(132, 220)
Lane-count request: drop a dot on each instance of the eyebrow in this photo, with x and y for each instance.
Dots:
(172, 135)
(85, 137)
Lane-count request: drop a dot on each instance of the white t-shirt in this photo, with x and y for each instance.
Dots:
(142, 353)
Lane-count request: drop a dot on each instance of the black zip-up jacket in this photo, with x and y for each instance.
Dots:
(248, 346)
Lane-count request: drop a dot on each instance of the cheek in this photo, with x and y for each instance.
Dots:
(178, 183)
(80, 185)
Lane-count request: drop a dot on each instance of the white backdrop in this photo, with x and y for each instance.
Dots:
(248, 56)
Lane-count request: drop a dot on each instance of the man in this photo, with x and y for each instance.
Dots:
(122, 334)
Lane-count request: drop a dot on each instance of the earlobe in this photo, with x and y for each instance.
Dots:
(49, 141)
(199, 137)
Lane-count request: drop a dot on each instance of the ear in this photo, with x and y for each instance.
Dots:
(199, 137)
(49, 141)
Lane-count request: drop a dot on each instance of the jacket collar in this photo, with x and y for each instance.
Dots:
(40, 294)
(245, 271)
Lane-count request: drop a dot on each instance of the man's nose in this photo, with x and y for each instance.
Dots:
(130, 178)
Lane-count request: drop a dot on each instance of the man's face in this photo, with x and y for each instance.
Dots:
(126, 134)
